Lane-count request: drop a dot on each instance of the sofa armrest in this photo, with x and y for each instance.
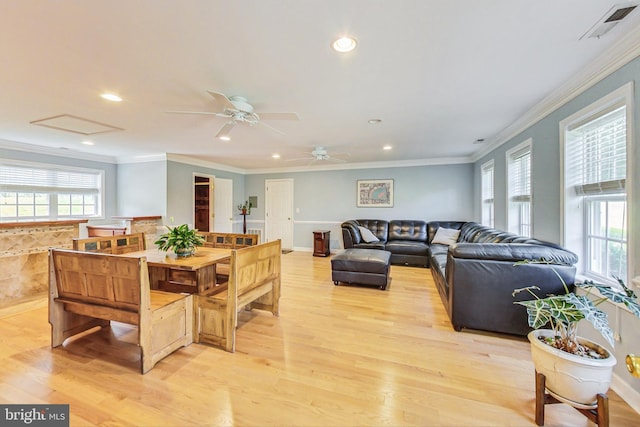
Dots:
(512, 252)
(481, 292)
(350, 234)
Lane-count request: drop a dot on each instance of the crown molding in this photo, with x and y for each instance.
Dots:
(620, 54)
(58, 152)
(145, 158)
(206, 164)
(364, 165)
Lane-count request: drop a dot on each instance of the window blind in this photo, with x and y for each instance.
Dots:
(487, 183)
(520, 175)
(43, 179)
(596, 154)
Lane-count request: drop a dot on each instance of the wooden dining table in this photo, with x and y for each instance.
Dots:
(195, 274)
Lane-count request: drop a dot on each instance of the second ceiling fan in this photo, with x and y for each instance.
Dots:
(238, 110)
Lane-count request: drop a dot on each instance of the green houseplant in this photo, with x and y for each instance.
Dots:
(181, 239)
(245, 208)
(576, 369)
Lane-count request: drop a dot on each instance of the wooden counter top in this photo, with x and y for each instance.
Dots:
(136, 218)
(16, 224)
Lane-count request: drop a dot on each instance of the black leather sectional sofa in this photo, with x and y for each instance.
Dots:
(475, 275)
(407, 240)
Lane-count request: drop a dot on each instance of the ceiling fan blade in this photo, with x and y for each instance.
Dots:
(298, 159)
(222, 100)
(272, 128)
(226, 129)
(335, 159)
(278, 116)
(204, 113)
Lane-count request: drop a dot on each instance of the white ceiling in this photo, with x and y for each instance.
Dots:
(439, 74)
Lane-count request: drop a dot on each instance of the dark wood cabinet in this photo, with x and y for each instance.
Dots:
(321, 243)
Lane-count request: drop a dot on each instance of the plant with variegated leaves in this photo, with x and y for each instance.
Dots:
(564, 312)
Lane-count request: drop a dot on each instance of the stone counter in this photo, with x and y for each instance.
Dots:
(151, 226)
(24, 264)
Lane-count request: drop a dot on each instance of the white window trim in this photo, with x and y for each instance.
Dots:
(622, 95)
(101, 172)
(527, 144)
(485, 166)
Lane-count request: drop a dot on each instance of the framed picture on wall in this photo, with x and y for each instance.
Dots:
(375, 193)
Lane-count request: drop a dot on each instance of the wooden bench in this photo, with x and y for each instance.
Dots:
(214, 239)
(87, 290)
(121, 244)
(254, 282)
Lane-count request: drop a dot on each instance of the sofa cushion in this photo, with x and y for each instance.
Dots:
(367, 235)
(379, 227)
(446, 236)
(404, 247)
(413, 230)
(372, 245)
(437, 249)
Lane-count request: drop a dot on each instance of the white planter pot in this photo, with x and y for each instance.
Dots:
(570, 378)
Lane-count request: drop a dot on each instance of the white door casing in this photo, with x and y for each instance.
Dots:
(223, 205)
(279, 211)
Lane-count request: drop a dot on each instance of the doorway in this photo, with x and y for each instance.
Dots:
(202, 202)
(279, 211)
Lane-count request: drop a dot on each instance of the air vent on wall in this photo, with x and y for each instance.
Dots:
(610, 19)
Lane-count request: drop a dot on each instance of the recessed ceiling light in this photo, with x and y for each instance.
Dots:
(374, 121)
(225, 138)
(344, 44)
(276, 156)
(111, 97)
(87, 143)
(387, 147)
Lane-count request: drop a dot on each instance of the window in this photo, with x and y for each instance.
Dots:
(595, 195)
(30, 191)
(487, 194)
(519, 189)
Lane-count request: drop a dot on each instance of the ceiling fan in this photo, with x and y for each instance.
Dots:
(321, 154)
(238, 110)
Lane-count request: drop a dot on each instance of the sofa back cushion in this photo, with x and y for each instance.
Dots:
(378, 227)
(432, 227)
(412, 230)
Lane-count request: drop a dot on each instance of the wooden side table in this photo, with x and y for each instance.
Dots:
(321, 243)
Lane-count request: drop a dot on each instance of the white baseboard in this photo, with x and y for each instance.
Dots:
(626, 392)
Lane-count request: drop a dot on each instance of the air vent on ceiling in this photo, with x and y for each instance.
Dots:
(610, 19)
(75, 124)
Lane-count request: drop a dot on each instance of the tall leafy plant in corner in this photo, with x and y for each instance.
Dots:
(564, 312)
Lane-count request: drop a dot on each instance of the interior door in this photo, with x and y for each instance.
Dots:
(223, 205)
(279, 211)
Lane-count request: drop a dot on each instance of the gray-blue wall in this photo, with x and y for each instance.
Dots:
(180, 191)
(547, 215)
(322, 200)
(142, 189)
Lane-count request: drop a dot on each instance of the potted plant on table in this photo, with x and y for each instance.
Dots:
(576, 369)
(245, 208)
(181, 239)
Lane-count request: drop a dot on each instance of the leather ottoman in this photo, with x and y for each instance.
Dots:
(361, 266)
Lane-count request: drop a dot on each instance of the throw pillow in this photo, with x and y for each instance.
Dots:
(446, 236)
(367, 235)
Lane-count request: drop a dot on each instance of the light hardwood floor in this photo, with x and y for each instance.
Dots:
(336, 356)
